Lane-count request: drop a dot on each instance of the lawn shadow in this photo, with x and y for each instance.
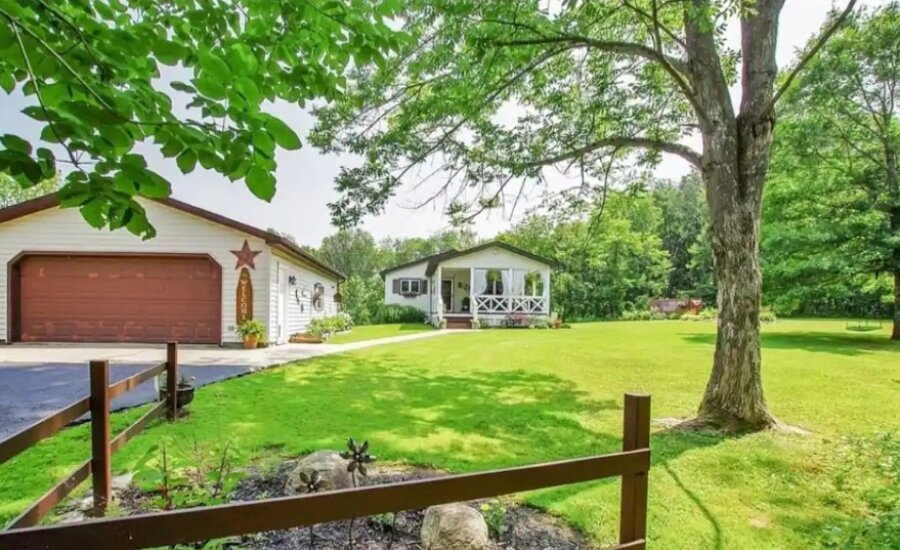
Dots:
(820, 342)
(698, 502)
(467, 420)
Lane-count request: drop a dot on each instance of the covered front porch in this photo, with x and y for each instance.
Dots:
(467, 294)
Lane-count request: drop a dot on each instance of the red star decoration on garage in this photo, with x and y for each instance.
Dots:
(245, 256)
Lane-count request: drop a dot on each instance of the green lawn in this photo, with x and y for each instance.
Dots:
(500, 397)
(372, 332)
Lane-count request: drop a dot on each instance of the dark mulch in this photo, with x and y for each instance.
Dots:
(526, 528)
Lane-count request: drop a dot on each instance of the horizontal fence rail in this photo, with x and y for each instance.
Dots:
(42, 429)
(98, 467)
(185, 526)
(199, 524)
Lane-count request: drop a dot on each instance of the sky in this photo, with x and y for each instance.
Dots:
(305, 177)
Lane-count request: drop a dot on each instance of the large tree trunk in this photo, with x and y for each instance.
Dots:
(734, 165)
(734, 395)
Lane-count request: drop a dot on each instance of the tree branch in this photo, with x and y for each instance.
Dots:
(674, 67)
(624, 142)
(823, 39)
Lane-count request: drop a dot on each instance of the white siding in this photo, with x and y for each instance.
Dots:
(415, 271)
(299, 296)
(177, 232)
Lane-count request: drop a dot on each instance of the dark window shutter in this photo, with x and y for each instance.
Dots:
(423, 287)
(396, 286)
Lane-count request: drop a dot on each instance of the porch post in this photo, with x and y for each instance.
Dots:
(473, 305)
(440, 292)
(546, 277)
(508, 291)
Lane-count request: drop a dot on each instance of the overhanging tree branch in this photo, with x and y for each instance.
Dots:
(823, 38)
(674, 67)
(623, 142)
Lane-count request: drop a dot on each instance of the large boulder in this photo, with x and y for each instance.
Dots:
(332, 470)
(454, 527)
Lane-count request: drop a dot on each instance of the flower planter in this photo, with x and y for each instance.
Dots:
(305, 339)
(251, 342)
(184, 397)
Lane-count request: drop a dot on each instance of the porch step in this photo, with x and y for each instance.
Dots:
(458, 323)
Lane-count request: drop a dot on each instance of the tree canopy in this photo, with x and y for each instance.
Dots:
(832, 231)
(98, 74)
(12, 193)
(489, 94)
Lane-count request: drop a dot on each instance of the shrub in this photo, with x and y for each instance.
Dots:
(387, 314)
(691, 317)
(539, 322)
(635, 315)
(324, 327)
(767, 316)
(658, 316)
(517, 320)
(709, 313)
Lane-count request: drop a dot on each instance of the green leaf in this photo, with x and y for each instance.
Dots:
(15, 143)
(186, 161)
(242, 60)
(284, 136)
(7, 82)
(214, 66)
(247, 88)
(209, 160)
(93, 212)
(210, 87)
(116, 136)
(172, 148)
(168, 53)
(182, 87)
(263, 141)
(261, 183)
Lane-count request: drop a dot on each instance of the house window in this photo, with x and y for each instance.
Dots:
(494, 282)
(318, 297)
(410, 286)
(534, 284)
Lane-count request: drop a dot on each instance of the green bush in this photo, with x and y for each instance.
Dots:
(709, 313)
(635, 315)
(767, 317)
(691, 317)
(324, 327)
(389, 314)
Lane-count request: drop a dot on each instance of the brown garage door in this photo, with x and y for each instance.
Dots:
(119, 299)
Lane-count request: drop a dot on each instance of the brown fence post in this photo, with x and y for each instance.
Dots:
(101, 466)
(635, 435)
(172, 380)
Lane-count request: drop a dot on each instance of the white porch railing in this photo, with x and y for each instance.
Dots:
(531, 305)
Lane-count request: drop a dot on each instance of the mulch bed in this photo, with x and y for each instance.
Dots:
(526, 528)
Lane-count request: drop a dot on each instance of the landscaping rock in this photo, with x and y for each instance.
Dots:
(454, 527)
(332, 472)
(122, 482)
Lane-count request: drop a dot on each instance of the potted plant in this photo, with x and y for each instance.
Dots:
(185, 391)
(251, 331)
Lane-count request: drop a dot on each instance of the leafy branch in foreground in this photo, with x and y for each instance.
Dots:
(191, 76)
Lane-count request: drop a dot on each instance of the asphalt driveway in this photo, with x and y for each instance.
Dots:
(31, 392)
